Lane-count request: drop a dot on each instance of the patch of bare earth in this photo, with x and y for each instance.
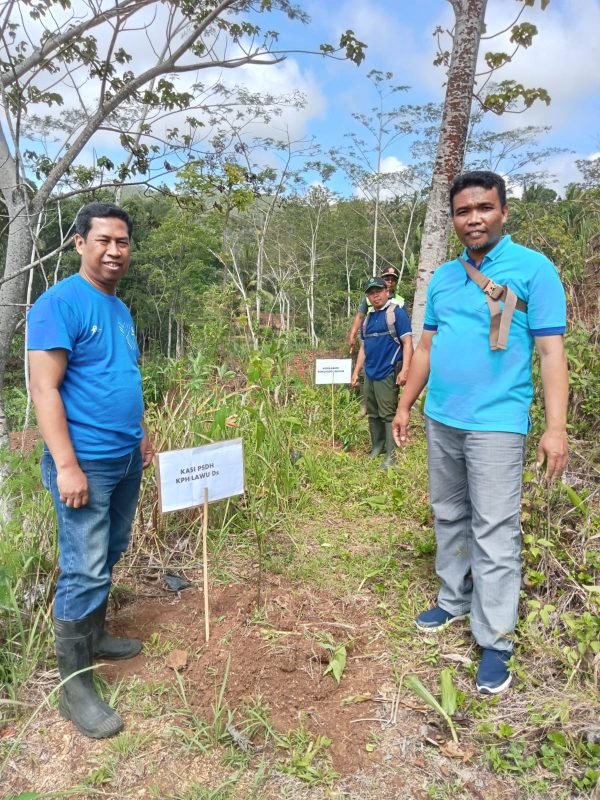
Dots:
(25, 441)
(379, 748)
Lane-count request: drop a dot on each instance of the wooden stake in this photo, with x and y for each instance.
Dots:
(332, 416)
(205, 564)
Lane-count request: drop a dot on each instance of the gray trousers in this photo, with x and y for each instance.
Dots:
(475, 482)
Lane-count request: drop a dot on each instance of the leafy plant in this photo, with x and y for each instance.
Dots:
(307, 758)
(337, 656)
(448, 698)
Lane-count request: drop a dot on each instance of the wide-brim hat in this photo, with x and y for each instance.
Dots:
(391, 272)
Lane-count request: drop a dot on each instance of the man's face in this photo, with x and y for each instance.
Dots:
(391, 281)
(377, 297)
(478, 218)
(105, 253)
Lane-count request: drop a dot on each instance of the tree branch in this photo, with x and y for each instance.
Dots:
(53, 43)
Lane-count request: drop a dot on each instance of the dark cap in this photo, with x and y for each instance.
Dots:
(375, 283)
(391, 272)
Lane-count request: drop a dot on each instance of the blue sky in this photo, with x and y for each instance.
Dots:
(563, 59)
(399, 35)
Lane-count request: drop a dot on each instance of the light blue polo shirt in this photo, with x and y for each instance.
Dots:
(470, 386)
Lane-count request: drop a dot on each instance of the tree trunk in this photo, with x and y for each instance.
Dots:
(348, 284)
(469, 16)
(13, 292)
(169, 333)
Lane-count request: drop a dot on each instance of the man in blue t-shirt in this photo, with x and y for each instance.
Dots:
(86, 387)
(385, 352)
(391, 276)
(476, 415)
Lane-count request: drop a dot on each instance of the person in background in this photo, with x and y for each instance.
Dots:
(87, 390)
(386, 353)
(391, 276)
(477, 414)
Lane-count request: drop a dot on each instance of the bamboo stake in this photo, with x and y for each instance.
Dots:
(205, 564)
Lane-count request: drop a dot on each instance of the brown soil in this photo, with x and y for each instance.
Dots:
(385, 744)
(25, 441)
(303, 364)
(279, 660)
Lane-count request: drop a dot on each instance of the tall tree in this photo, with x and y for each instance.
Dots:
(469, 16)
(363, 159)
(461, 77)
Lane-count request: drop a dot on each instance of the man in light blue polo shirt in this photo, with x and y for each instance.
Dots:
(477, 417)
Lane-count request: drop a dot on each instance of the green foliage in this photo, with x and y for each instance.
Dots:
(448, 704)
(337, 656)
(307, 758)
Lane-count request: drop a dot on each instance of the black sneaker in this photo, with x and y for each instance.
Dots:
(436, 619)
(493, 675)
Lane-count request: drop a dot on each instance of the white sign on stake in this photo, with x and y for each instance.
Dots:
(184, 474)
(333, 370)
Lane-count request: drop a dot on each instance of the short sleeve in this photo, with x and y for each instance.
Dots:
(51, 325)
(402, 322)
(363, 306)
(430, 322)
(546, 305)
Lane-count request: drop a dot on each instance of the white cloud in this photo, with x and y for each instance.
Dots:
(563, 59)
(392, 180)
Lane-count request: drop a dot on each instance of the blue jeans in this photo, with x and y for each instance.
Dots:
(91, 539)
(475, 480)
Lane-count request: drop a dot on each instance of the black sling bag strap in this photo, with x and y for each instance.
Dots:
(500, 318)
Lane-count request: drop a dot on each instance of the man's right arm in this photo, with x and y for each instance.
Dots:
(354, 329)
(360, 362)
(47, 370)
(418, 376)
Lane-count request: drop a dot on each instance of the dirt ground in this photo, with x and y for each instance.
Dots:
(384, 743)
(24, 440)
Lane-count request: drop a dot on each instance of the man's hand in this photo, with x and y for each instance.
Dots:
(400, 425)
(72, 486)
(402, 376)
(553, 449)
(147, 450)
(354, 380)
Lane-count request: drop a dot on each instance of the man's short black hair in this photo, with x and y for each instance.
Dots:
(83, 223)
(481, 177)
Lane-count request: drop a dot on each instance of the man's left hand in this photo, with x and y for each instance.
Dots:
(553, 449)
(146, 450)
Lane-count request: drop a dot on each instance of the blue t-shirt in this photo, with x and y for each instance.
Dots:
(470, 386)
(102, 387)
(381, 351)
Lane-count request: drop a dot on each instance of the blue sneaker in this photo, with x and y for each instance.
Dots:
(493, 676)
(436, 619)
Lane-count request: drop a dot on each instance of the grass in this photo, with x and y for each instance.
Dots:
(331, 521)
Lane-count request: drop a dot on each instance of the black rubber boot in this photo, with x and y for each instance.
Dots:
(107, 646)
(377, 431)
(78, 699)
(390, 447)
